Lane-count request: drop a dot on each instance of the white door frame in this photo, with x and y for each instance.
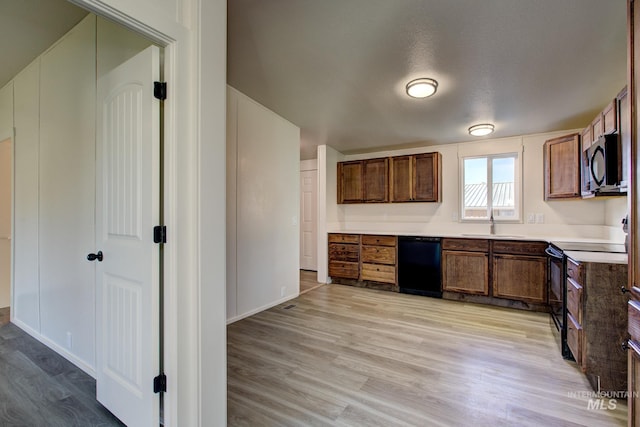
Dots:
(310, 166)
(196, 392)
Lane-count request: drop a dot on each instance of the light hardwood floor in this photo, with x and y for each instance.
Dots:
(308, 281)
(344, 356)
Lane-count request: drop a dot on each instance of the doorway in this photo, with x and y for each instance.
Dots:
(6, 204)
(308, 225)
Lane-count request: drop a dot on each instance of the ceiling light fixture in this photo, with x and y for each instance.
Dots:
(421, 88)
(481, 130)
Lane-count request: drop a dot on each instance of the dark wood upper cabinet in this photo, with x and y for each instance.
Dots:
(416, 178)
(610, 118)
(376, 180)
(350, 182)
(412, 178)
(401, 178)
(562, 167)
(427, 177)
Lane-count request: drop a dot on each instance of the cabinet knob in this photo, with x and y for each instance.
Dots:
(624, 290)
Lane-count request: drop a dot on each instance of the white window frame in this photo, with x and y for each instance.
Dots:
(517, 187)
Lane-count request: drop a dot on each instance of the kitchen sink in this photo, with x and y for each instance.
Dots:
(493, 236)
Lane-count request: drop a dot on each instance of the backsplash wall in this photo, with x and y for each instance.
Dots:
(591, 219)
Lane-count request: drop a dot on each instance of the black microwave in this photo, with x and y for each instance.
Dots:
(602, 166)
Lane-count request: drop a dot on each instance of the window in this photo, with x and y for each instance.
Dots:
(500, 173)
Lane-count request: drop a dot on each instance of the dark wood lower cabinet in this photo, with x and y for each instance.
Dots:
(520, 277)
(633, 377)
(466, 272)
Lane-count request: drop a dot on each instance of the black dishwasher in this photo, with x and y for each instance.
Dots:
(419, 266)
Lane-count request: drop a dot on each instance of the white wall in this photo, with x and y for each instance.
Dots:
(569, 218)
(66, 193)
(26, 277)
(6, 149)
(6, 168)
(263, 172)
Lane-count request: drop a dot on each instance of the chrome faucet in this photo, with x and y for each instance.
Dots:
(493, 225)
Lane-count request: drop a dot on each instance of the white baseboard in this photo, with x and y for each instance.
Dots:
(55, 347)
(264, 307)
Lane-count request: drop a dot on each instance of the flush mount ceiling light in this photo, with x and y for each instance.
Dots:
(481, 130)
(421, 88)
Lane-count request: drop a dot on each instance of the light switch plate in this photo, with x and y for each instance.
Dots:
(531, 218)
(540, 218)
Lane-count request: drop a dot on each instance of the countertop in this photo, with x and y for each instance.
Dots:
(602, 257)
(536, 238)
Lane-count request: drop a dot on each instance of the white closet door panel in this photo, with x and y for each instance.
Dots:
(67, 192)
(26, 290)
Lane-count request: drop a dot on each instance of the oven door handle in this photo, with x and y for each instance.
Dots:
(553, 254)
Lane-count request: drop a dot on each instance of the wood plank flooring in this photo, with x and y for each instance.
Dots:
(345, 356)
(308, 281)
(38, 387)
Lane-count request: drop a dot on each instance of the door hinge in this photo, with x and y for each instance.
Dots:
(160, 90)
(160, 384)
(160, 234)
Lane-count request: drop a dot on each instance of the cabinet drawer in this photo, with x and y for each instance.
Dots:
(379, 254)
(574, 300)
(634, 320)
(379, 273)
(469, 245)
(513, 247)
(344, 238)
(575, 271)
(574, 339)
(342, 252)
(346, 270)
(378, 240)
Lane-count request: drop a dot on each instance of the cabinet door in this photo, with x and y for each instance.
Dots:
(586, 138)
(376, 180)
(610, 118)
(597, 127)
(634, 384)
(350, 188)
(466, 272)
(521, 278)
(562, 167)
(426, 177)
(401, 178)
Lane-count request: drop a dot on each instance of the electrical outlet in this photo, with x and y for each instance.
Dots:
(294, 220)
(454, 216)
(69, 340)
(531, 218)
(539, 218)
(282, 290)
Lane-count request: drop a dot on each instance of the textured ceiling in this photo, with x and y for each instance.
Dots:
(337, 68)
(29, 27)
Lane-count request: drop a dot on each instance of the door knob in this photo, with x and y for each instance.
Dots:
(93, 257)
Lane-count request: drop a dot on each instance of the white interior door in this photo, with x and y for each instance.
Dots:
(308, 220)
(127, 209)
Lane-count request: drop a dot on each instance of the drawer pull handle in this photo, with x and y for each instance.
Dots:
(625, 345)
(624, 289)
